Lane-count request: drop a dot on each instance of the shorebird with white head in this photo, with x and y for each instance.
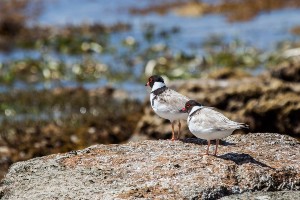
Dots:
(209, 124)
(166, 102)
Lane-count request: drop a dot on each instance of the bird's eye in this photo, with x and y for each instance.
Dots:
(150, 79)
(188, 105)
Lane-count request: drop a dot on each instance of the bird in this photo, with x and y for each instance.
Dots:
(209, 124)
(166, 102)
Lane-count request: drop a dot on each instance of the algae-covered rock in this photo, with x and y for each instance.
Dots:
(160, 170)
(288, 70)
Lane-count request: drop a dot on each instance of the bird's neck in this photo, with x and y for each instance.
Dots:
(158, 85)
(194, 109)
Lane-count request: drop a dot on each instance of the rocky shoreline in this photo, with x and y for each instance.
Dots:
(268, 103)
(160, 169)
(67, 119)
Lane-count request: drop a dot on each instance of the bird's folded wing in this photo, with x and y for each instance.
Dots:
(214, 121)
(172, 101)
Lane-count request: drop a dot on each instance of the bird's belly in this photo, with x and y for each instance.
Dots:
(170, 116)
(210, 135)
(163, 110)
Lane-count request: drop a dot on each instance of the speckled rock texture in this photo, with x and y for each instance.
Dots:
(281, 195)
(160, 170)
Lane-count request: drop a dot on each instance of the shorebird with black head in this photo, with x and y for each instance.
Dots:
(209, 124)
(166, 102)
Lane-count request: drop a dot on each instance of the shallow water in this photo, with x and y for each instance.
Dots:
(264, 31)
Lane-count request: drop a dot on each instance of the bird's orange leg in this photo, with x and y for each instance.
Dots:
(179, 127)
(173, 134)
(217, 143)
(207, 147)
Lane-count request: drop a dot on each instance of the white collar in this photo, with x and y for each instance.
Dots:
(194, 109)
(157, 85)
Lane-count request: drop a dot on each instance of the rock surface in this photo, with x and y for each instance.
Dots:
(281, 195)
(160, 169)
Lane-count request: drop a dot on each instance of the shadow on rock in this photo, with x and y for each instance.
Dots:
(204, 142)
(242, 158)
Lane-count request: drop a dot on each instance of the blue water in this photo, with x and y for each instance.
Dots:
(263, 32)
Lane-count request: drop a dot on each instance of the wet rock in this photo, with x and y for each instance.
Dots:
(5, 160)
(228, 73)
(160, 169)
(288, 70)
(267, 104)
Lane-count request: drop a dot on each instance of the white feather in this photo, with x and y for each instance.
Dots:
(157, 85)
(168, 104)
(209, 124)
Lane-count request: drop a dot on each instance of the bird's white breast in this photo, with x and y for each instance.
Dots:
(165, 110)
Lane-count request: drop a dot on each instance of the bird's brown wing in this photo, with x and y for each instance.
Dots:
(172, 100)
(211, 119)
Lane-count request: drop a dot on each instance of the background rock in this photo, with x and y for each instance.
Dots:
(267, 104)
(288, 70)
(160, 169)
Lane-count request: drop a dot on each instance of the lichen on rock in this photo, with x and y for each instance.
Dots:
(160, 169)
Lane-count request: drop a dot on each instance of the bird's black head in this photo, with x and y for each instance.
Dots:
(189, 106)
(153, 79)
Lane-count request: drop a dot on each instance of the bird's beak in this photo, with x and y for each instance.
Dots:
(183, 110)
(147, 84)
